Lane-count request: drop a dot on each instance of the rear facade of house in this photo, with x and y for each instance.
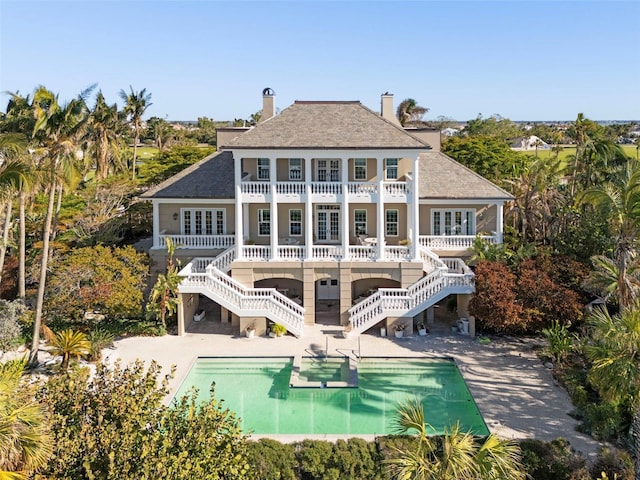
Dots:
(324, 205)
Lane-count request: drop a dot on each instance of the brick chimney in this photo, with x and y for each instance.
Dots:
(268, 104)
(386, 108)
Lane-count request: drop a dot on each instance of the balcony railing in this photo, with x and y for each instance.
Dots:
(391, 189)
(197, 241)
(453, 242)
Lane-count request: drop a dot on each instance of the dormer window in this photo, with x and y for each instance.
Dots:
(263, 169)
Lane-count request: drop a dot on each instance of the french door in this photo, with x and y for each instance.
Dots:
(328, 223)
(328, 170)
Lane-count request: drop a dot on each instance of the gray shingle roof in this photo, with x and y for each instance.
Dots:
(339, 125)
(211, 177)
(441, 177)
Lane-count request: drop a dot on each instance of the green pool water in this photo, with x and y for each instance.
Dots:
(258, 390)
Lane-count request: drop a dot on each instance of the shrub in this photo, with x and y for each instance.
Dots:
(560, 341)
(614, 463)
(355, 459)
(553, 460)
(10, 313)
(314, 457)
(272, 460)
(494, 303)
(604, 421)
(99, 340)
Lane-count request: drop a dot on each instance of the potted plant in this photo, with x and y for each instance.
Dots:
(250, 331)
(278, 330)
(399, 328)
(422, 330)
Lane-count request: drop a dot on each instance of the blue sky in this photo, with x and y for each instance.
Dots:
(522, 60)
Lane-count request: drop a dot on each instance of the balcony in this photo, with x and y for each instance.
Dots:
(260, 192)
(454, 242)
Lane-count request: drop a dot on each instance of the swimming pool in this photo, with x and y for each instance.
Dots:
(260, 391)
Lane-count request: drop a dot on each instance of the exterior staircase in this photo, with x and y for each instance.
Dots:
(442, 278)
(209, 276)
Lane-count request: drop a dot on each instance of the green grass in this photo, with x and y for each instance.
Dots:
(568, 150)
(147, 152)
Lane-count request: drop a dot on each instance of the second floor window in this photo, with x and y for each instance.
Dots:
(391, 168)
(263, 169)
(360, 222)
(360, 169)
(295, 169)
(264, 222)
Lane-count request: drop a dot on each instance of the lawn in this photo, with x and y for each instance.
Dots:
(567, 150)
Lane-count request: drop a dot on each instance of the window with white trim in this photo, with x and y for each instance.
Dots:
(203, 221)
(295, 223)
(360, 222)
(360, 169)
(451, 221)
(391, 217)
(264, 222)
(391, 168)
(295, 169)
(263, 169)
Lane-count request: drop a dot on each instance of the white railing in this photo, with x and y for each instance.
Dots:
(395, 188)
(291, 188)
(326, 252)
(443, 277)
(362, 188)
(453, 242)
(362, 253)
(198, 241)
(256, 252)
(397, 253)
(326, 188)
(430, 260)
(291, 252)
(267, 302)
(255, 188)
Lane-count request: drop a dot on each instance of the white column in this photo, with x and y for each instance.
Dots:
(156, 224)
(245, 221)
(237, 165)
(415, 198)
(380, 209)
(274, 207)
(345, 208)
(308, 210)
(499, 220)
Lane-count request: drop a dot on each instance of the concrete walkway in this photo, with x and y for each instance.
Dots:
(516, 394)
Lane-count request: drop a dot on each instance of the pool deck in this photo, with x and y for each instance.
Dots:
(515, 393)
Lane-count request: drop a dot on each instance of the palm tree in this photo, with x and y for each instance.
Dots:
(135, 104)
(614, 350)
(619, 201)
(58, 131)
(25, 444)
(456, 455)
(69, 343)
(163, 298)
(607, 280)
(409, 111)
(104, 127)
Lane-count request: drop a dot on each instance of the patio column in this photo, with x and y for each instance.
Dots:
(380, 230)
(245, 222)
(156, 224)
(239, 211)
(345, 208)
(499, 221)
(308, 211)
(415, 212)
(274, 207)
